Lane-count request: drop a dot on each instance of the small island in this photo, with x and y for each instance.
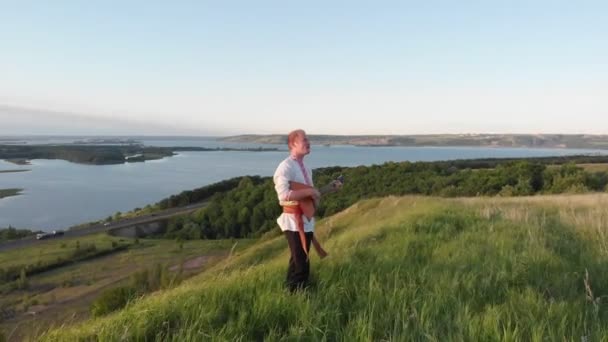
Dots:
(12, 171)
(103, 154)
(9, 192)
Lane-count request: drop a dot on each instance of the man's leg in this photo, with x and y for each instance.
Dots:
(292, 263)
(306, 266)
(299, 267)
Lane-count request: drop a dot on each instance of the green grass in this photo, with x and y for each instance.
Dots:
(47, 251)
(600, 167)
(420, 269)
(146, 254)
(589, 167)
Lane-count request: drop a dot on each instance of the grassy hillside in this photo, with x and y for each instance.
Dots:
(64, 294)
(400, 268)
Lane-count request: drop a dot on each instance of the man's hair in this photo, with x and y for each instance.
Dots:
(291, 137)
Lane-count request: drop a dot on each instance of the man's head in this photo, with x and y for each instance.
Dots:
(298, 143)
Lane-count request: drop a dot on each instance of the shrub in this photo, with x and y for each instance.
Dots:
(112, 300)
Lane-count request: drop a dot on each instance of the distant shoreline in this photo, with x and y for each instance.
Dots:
(557, 141)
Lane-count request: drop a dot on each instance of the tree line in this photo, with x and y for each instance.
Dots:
(248, 206)
(12, 233)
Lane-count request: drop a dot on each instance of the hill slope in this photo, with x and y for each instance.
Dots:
(408, 268)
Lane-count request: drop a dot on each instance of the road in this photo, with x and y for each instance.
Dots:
(99, 228)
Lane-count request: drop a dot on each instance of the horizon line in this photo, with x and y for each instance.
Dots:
(279, 134)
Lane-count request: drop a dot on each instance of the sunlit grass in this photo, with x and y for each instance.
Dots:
(412, 268)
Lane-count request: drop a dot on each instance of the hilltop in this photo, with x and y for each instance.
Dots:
(400, 268)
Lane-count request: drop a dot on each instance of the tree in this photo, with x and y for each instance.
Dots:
(243, 216)
(191, 231)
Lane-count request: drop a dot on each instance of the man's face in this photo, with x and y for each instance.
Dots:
(301, 145)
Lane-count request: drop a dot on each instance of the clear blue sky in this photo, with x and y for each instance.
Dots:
(335, 67)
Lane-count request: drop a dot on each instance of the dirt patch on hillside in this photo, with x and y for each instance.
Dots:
(198, 262)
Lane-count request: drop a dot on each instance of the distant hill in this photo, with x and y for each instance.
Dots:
(480, 140)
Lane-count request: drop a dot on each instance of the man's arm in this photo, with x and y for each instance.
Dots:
(296, 195)
(281, 185)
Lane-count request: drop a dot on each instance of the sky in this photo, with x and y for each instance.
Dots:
(329, 67)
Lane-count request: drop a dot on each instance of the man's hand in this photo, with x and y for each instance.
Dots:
(315, 194)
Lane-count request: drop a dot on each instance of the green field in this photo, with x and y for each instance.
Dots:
(600, 167)
(49, 250)
(400, 268)
(588, 167)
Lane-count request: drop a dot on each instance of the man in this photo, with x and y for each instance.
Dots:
(295, 189)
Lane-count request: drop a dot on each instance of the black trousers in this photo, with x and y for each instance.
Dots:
(299, 265)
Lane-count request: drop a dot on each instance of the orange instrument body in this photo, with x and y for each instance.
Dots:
(307, 208)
